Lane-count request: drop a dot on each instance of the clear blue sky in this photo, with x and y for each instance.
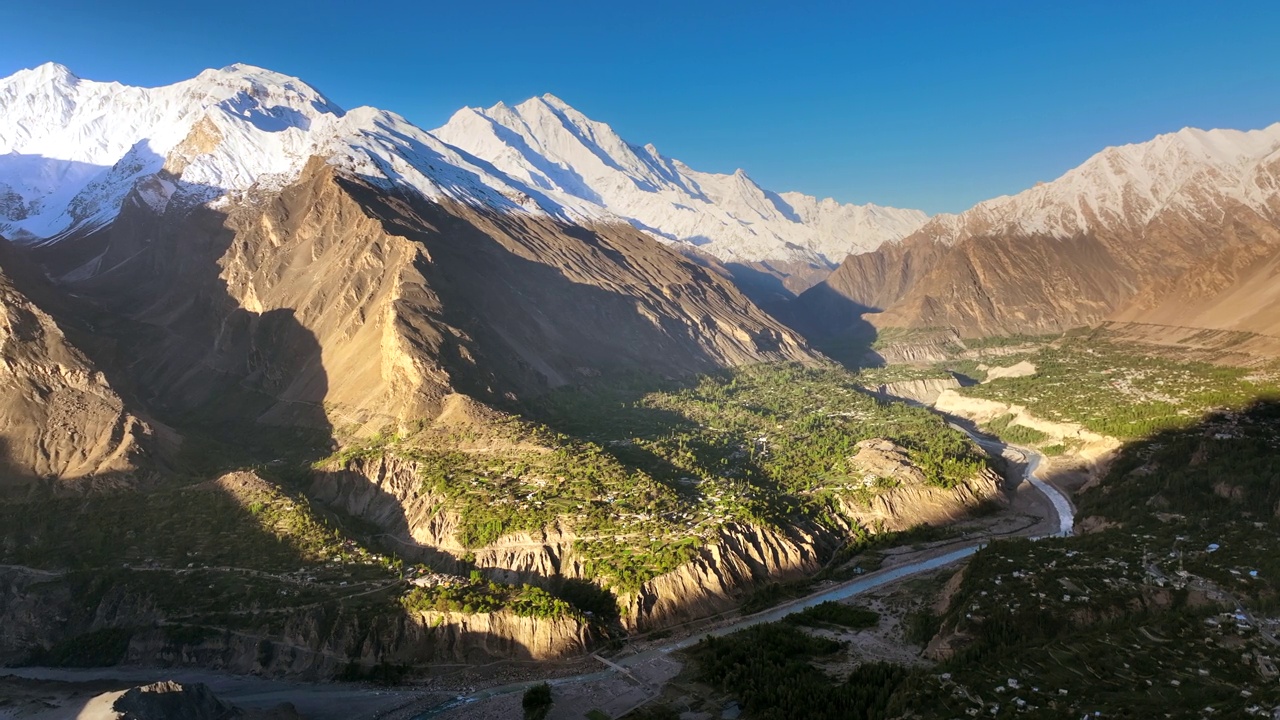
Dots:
(933, 105)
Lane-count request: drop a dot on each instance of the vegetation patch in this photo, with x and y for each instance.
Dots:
(1004, 428)
(536, 702)
(832, 613)
(769, 669)
(646, 471)
(1113, 391)
(487, 597)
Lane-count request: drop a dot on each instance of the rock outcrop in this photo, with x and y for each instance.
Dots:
(910, 500)
(740, 559)
(1024, 368)
(174, 701)
(924, 392)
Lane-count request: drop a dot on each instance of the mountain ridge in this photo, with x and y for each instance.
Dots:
(269, 124)
(1179, 230)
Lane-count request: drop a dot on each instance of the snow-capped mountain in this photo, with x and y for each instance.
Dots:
(1181, 230)
(352, 266)
(1205, 173)
(71, 149)
(547, 144)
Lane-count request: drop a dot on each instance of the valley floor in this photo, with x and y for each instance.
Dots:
(630, 678)
(646, 668)
(39, 693)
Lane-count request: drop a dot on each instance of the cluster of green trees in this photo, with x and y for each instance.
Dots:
(834, 613)
(536, 702)
(1114, 391)
(487, 597)
(770, 670)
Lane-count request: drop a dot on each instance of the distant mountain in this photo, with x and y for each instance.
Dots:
(70, 149)
(1182, 230)
(547, 144)
(258, 256)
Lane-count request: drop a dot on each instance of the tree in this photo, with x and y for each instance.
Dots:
(537, 702)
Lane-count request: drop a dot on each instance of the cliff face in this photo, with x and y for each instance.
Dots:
(311, 646)
(911, 500)
(387, 491)
(721, 573)
(925, 392)
(60, 419)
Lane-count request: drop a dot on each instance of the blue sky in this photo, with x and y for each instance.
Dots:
(935, 105)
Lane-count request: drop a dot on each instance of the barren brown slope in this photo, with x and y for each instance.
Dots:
(1176, 231)
(337, 305)
(59, 417)
(1178, 270)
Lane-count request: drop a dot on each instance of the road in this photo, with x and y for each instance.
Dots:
(336, 700)
(1061, 506)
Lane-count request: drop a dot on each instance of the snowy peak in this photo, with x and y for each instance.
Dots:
(71, 150)
(265, 86)
(50, 72)
(547, 143)
(1202, 174)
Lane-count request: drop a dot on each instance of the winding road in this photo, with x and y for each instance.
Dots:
(1031, 461)
(321, 699)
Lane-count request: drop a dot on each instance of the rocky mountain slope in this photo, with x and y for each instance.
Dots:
(263, 254)
(60, 419)
(1180, 230)
(273, 279)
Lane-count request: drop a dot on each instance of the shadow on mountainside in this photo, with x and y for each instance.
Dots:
(246, 386)
(535, 304)
(1174, 547)
(1225, 466)
(834, 324)
(240, 572)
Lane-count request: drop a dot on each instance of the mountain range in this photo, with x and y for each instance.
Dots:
(72, 149)
(505, 387)
(1183, 230)
(237, 249)
(238, 246)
